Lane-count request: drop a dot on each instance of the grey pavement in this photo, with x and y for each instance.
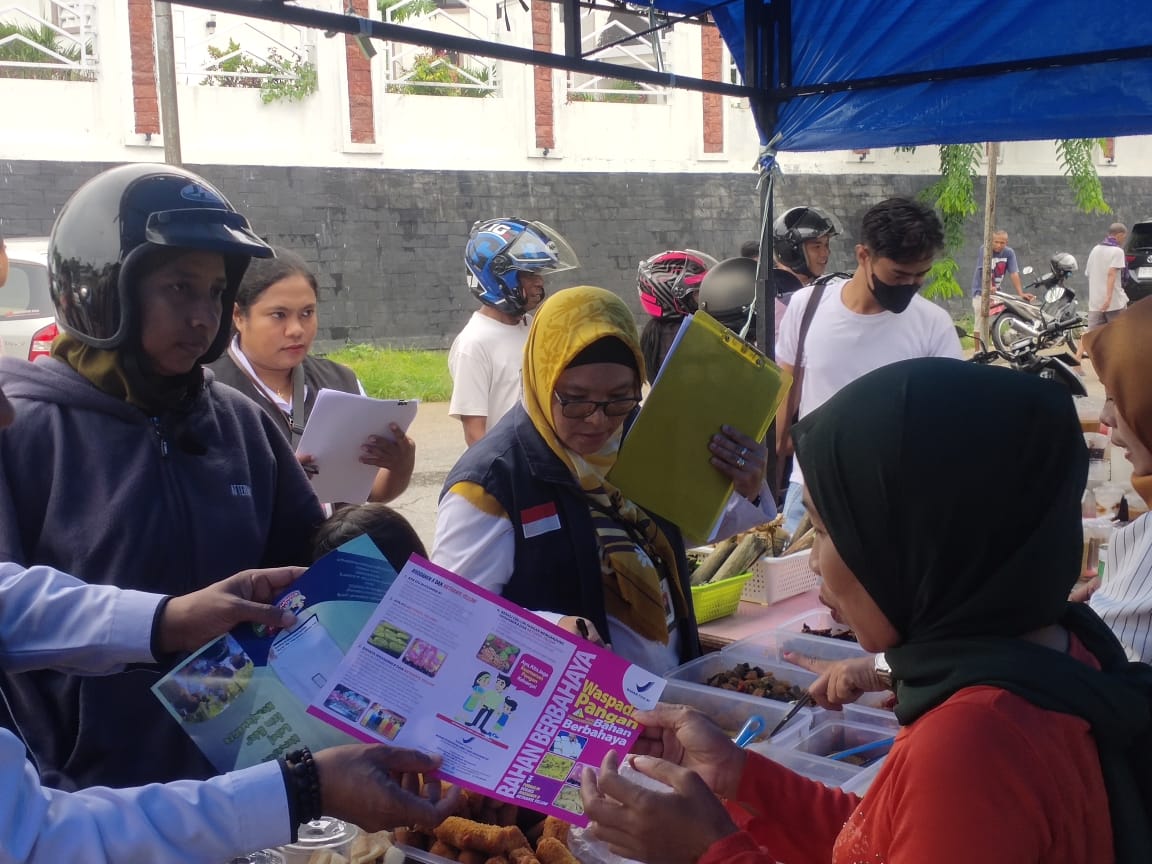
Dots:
(440, 442)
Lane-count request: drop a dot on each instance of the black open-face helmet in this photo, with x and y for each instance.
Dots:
(728, 294)
(113, 221)
(790, 231)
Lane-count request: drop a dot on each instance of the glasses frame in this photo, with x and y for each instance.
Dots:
(596, 405)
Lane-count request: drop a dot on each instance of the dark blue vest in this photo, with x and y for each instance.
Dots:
(557, 570)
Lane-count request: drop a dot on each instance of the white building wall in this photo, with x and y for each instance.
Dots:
(93, 121)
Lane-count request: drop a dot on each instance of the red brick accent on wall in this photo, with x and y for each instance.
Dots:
(542, 77)
(361, 119)
(711, 68)
(145, 102)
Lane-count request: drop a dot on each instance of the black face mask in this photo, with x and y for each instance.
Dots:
(894, 298)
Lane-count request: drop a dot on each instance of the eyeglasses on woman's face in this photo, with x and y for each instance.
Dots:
(582, 409)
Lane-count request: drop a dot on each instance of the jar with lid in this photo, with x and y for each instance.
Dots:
(263, 856)
(327, 832)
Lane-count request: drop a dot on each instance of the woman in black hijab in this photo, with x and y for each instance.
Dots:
(1024, 726)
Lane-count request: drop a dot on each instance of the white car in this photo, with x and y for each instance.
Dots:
(27, 319)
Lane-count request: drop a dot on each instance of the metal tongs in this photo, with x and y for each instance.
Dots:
(803, 702)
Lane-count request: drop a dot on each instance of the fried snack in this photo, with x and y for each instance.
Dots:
(514, 839)
(411, 837)
(467, 834)
(368, 848)
(327, 856)
(557, 829)
(552, 851)
(471, 856)
(523, 856)
(497, 859)
(444, 850)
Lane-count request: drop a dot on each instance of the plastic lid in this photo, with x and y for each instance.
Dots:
(322, 833)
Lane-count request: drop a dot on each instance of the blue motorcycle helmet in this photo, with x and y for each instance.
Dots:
(499, 250)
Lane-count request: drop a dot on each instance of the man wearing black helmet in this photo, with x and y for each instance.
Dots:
(128, 464)
(800, 243)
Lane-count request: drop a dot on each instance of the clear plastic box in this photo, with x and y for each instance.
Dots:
(832, 735)
(730, 711)
(769, 646)
(698, 671)
(825, 771)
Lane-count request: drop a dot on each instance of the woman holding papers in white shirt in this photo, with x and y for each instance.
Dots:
(268, 361)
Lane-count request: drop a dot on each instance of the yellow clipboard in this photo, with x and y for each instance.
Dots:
(710, 378)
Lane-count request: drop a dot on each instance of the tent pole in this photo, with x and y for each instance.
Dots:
(572, 41)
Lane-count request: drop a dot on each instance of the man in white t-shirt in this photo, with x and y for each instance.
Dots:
(869, 320)
(506, 260)
(1104, 269)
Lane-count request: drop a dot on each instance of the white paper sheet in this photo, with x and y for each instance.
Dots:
(337, 428)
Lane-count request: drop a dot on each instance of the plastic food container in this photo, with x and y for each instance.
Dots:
(769, 647)
(730, 711)
(832, 735)
(698, 671)
(327, 832)
(826, 771)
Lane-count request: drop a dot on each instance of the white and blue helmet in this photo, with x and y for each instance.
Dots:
(499, 250)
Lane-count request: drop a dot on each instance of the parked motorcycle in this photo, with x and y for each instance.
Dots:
(1024, 355)
(1015, 318)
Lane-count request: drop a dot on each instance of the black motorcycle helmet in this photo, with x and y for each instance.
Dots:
(728, 294)
(113, 221)
(792, 228)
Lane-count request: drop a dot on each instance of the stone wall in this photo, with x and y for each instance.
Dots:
(387, 245)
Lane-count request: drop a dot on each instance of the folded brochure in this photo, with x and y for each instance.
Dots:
(243, 697)
(515, 705)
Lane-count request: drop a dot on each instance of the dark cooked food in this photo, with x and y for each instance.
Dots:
(829, 633)
(754, 681)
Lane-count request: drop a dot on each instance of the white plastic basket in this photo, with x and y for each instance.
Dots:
(776, 579)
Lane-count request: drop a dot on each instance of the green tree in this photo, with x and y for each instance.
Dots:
(954, 194)
(404, 11)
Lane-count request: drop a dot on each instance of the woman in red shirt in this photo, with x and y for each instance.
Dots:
(1027, 736)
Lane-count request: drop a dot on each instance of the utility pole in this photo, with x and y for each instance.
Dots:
(993, 150)
(166, 79)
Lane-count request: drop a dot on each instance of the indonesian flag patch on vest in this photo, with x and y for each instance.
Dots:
(539, 520)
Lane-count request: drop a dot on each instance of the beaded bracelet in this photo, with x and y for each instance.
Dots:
(302, 781)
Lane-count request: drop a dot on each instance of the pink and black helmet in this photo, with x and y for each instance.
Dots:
(668, 282)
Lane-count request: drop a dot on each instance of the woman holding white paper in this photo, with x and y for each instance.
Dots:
(268, 361)
(529, 514)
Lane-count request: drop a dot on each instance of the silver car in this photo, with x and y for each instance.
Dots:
(27, 320)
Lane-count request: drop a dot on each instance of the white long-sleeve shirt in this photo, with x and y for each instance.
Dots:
(49, 619)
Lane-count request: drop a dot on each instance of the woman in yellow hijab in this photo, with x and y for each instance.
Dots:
(527, 512)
